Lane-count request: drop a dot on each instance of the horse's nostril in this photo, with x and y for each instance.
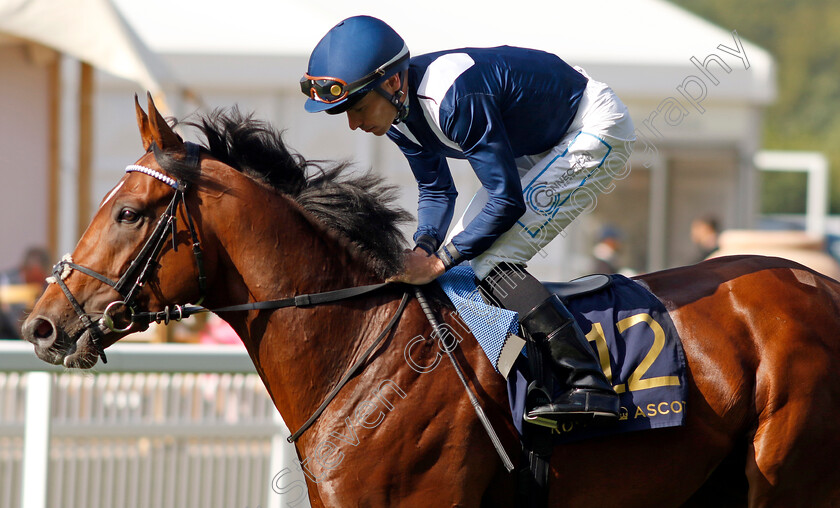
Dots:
(42, 329)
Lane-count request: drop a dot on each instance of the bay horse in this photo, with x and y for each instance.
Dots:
(761, 338)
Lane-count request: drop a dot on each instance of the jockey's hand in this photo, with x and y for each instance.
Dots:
(419, 268)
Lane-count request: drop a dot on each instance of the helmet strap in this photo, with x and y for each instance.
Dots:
(394, 99)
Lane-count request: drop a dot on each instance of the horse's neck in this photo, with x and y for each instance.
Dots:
(271, 251)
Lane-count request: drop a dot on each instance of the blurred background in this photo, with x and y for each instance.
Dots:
(735, 112)
(736, 109)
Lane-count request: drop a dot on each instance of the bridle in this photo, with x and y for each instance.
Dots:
(141, 268)
(135, 277)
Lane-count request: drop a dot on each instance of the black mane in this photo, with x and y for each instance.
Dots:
(358, 206)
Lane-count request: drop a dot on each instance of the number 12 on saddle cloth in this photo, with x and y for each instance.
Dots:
(629, 329)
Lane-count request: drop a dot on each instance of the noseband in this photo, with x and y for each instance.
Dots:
(135, 277)
(138, 273)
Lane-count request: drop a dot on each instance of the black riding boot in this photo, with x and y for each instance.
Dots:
(589, 395)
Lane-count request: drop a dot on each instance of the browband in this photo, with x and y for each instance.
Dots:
(151, 172)
(192, 159)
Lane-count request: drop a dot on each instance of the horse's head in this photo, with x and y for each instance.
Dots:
(128, 259)
(250, 198)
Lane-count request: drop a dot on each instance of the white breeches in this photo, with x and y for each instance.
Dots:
(560, 184)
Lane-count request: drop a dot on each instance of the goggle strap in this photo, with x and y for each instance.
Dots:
(350, 88)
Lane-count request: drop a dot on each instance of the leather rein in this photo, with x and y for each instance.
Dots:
(141, 268)
(135, 277)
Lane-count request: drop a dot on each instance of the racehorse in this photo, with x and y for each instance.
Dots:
(760, 336)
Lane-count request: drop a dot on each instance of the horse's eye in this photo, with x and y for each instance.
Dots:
(128, 216)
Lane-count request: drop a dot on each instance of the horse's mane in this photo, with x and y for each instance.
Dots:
(359, 207)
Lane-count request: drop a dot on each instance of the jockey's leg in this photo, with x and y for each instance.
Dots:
(586, 393)
(558, 186)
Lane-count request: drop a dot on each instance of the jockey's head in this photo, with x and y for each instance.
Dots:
(354, 58)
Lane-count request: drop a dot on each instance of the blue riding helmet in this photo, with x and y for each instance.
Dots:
(353, 58)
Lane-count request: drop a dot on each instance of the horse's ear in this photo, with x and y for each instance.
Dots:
(143, 124)
(161, 132)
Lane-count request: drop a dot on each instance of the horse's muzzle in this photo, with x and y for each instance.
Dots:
(53, 345)
(42, 332)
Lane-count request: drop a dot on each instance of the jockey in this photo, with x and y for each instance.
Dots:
(543, 139)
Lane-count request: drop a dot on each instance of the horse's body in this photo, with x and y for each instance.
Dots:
(760, 337)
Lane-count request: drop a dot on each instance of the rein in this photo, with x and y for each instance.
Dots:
(138, 273)
(350, 372)
(306, 300)
(140, 269)
(178, 312)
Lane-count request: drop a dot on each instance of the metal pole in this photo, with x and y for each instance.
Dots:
(36, 440)
(54, 168)
(85, 159)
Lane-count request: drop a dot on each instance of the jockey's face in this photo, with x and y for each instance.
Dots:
(374, 113)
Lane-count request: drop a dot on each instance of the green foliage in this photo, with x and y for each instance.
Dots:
(783, 192)
(803, 38)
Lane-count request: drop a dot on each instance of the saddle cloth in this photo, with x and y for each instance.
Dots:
(628, 328)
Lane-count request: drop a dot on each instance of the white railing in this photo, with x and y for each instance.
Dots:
(160, 425)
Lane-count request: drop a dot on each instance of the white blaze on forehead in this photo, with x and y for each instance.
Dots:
(111, 194)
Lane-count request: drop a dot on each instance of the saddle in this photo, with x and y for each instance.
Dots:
(629, 329)
(579, 287)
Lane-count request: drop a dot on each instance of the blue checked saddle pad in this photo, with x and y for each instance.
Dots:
(626, 325)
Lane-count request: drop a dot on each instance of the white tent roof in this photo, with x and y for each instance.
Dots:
(90, 30)
(640, 38)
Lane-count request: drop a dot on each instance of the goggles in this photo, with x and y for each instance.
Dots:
(331, 90)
